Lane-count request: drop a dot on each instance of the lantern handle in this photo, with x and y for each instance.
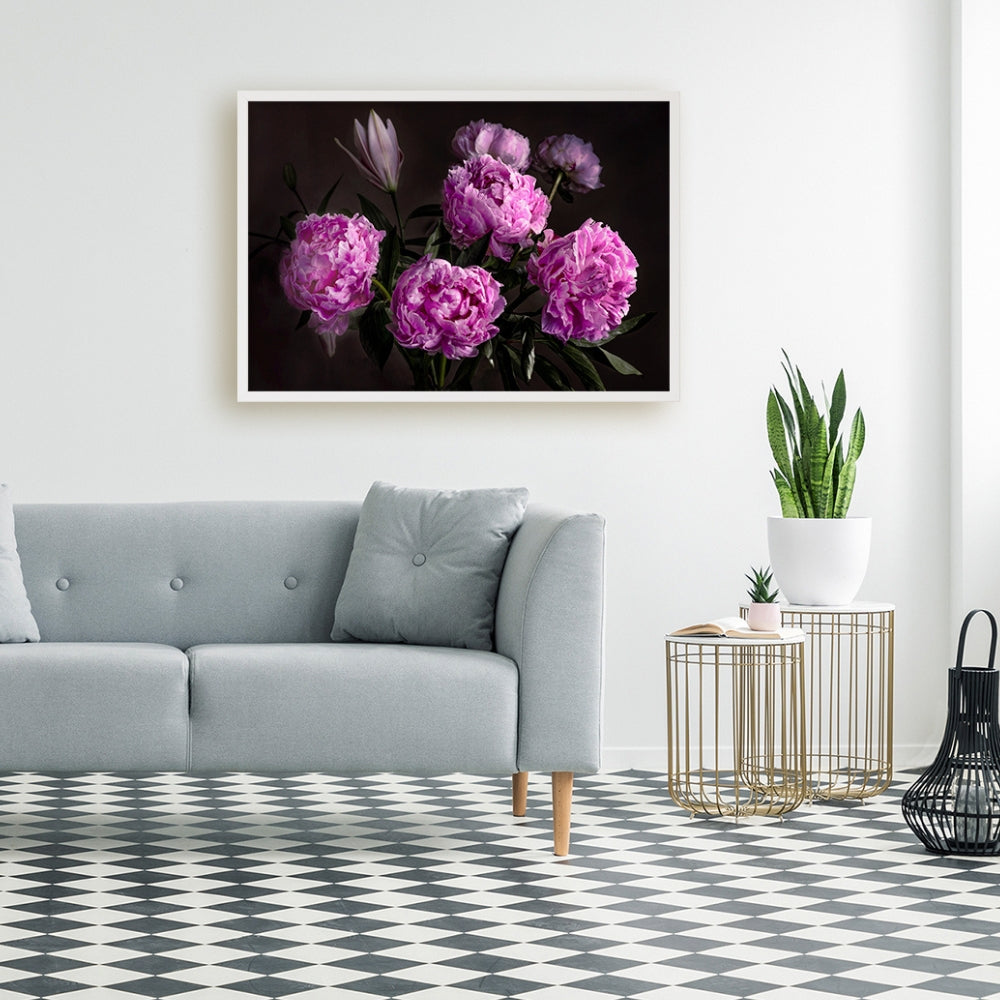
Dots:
(961, 637)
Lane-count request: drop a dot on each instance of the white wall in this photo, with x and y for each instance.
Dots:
(976, 308)
(814, 200)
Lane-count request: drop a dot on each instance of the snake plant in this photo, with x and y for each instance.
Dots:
(815, 474)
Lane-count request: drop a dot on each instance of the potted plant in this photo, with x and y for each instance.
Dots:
(819, 554)
(764, 614)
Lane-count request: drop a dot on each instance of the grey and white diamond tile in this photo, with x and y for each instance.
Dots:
(427, 889)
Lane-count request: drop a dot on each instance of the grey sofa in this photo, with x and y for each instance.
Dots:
(195, 637)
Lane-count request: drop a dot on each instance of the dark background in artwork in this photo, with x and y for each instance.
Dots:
(629, 137)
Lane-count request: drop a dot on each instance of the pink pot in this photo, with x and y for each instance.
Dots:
(764, 617)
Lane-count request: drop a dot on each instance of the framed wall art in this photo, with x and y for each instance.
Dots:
(456, 246)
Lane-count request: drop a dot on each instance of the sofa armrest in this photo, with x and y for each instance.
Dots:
(550, 622)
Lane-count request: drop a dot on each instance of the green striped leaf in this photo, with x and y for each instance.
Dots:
(786, 496)
(837, 405)
(796, 403)
(827, 492)
(801, 482)
(809, 445)
(818, 455)
(776, 435)
(845, 487)
(791, 429)
(857, 440)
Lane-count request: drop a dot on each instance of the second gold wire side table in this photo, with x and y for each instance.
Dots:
(735, 725)
(848, 669)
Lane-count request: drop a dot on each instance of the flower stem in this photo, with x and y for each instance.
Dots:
(441, 370)
(526, 294)
(381, 289)
(555, 185)
(399, 218)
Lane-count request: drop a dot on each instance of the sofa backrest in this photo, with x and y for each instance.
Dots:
(185, 573)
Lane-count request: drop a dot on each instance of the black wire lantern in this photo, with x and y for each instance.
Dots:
(954, 806)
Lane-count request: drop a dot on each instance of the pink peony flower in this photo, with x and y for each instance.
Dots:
(485, 195)
(573, 157)
(588, 277)
(505, 144)
(439, 307)
(329, 269)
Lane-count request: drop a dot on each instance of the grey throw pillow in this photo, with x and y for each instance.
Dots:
(17, 623)
(426, 566)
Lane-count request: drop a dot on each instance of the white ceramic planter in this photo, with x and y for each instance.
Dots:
(819, 560)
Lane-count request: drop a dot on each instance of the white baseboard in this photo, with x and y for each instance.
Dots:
(634, 759)
(911, 757)
(906, 757)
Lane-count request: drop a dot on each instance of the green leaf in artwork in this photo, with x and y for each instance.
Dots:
(620, 365)
(417, 361)
(259, 249)
(424, 212)
(325, 202)
(476, 253)
(388, 259)
(509, 277)
(374, 214)
(630, 324)
(289, 177)
(462, 381)
(583, 367)
(434, 240)
(551, 375)
(376, 340)
(527, 355)
(288, 226)
(505, 364)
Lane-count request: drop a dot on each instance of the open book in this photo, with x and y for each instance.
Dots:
(736, 628)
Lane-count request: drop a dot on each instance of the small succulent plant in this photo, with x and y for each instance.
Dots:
(760, 591)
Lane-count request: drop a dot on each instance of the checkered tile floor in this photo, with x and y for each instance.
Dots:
(347, 889)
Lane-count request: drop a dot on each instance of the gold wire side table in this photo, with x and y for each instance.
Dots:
(848, 667)
(736, 725)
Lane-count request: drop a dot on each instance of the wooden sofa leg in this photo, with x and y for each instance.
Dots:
(562, 800)
(519, 792)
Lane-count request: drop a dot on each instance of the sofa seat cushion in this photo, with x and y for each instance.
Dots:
(93, 706)
(352, 709)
